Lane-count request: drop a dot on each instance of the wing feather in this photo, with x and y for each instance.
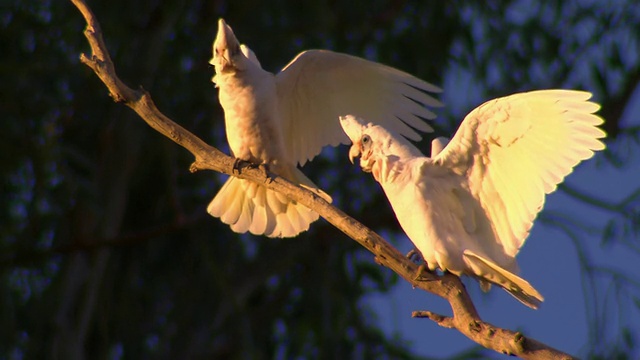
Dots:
(318, 86)
(514, 150)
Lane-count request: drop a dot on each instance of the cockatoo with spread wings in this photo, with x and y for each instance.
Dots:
(469, 207)
(284, 120)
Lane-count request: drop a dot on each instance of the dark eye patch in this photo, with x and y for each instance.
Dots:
(366, 139)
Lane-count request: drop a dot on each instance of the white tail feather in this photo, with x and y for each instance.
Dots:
(512, 283)
(248, 206)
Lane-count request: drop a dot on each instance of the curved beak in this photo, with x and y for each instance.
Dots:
(225, 36)
(224, 45)
(354, 152)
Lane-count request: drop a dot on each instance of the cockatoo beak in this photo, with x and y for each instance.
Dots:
(366, 162)
(225, 35)
(353, 129)
(354, 152)
(224, 47)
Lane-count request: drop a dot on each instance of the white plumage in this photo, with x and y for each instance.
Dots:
(469, 208)
(284, 120)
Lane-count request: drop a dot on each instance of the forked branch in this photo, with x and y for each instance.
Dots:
(465, 317)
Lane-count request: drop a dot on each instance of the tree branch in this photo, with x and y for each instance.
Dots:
(465, 317)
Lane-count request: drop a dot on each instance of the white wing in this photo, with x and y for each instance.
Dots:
(318, 86)
(516, 149)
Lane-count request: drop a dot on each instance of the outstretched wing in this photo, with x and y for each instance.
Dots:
(318, 86)
(514, 150)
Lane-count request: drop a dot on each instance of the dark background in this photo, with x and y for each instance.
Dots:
(106, 250)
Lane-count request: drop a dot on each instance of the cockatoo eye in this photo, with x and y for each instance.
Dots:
(365, 141)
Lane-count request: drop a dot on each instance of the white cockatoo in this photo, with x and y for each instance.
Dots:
(470, 206)
(284, 120)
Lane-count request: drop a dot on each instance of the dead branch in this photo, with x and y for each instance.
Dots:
(465, 317)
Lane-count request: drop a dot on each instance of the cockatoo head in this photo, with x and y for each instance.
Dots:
(228, 55)
(369, 142)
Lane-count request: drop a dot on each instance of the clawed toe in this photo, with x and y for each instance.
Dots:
(424, 274)
(239, 164)
(267, 173)
(414, 255)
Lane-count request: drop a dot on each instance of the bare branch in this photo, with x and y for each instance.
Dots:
(465, 317)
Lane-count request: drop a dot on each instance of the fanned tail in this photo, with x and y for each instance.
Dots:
(247, 206)
(513, 284)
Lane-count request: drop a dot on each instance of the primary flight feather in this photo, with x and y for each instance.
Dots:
(470, 206)
(286, 119)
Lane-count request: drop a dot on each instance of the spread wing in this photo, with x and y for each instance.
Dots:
(516, 149)
(318, 86)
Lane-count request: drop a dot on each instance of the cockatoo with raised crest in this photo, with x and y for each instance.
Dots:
(284, 120)
(470, 206)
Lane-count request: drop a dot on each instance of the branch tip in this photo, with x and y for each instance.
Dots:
(444, 321)
(85, 59)
(196, 166)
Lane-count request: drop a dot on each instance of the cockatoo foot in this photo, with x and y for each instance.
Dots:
(238, 164)
(424, 274)
(267, 173)
(414, 255)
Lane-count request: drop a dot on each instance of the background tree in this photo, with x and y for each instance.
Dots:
(107, 250)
